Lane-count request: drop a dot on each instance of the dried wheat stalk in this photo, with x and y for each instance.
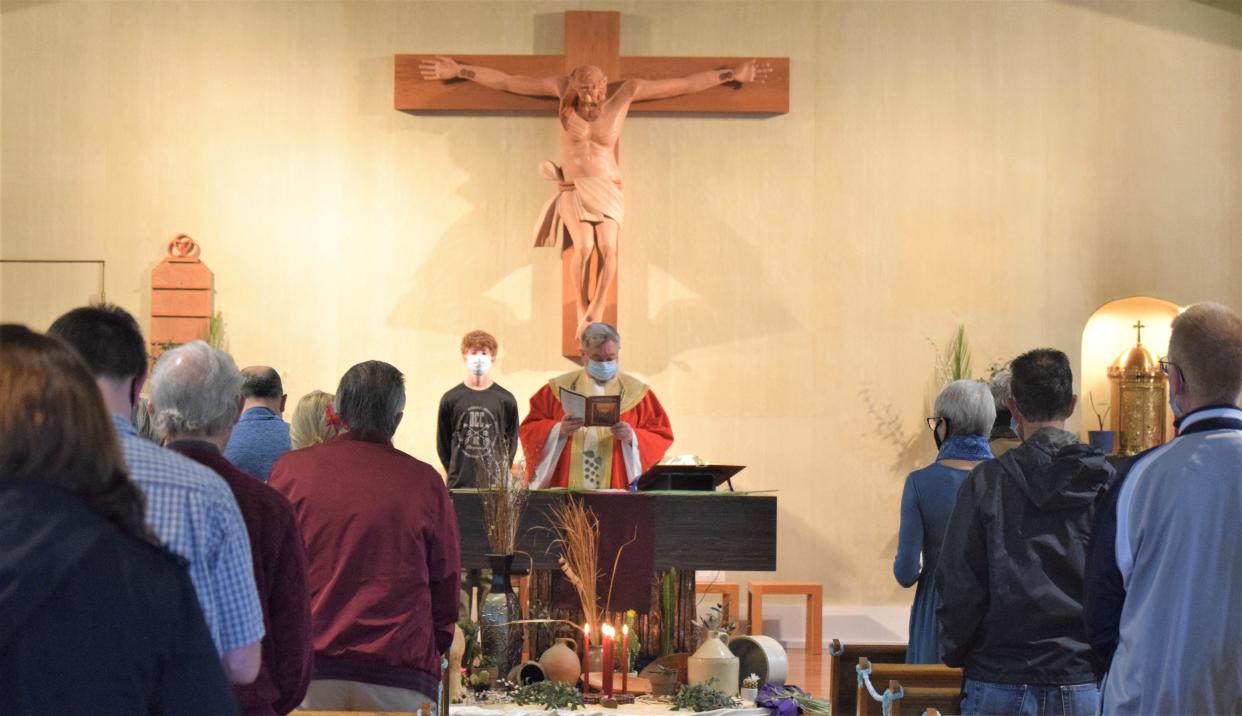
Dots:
(577, 531)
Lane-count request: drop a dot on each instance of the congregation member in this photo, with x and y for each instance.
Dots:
(313, 420)
(1011, 568)
(196, 391)
(562, 452)
(261, 435)
(1163, 584)
(382, 553)
(478, 419)
(964, 413)
(95, 616)
(188, 506)
(1004, 435)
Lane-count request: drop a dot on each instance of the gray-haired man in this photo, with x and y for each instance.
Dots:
(561, 452)
(1163, 584)
(195, 394)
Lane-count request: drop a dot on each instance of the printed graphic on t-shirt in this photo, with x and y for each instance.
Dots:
(477, 432)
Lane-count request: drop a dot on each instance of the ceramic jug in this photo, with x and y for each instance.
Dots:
(561, 663)
(714, 660)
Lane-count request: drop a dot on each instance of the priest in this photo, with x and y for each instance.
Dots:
(562, 452)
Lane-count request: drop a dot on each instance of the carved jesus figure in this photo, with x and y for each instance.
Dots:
(589, 202)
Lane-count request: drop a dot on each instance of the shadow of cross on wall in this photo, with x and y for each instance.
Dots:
(590, 38)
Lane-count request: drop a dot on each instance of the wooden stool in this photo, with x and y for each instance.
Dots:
(730, 596)
(814, 608)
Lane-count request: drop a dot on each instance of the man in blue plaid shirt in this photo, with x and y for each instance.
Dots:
(189, 506)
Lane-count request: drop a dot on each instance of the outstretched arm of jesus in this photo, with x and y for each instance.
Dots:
(446, 68)
(749, 71)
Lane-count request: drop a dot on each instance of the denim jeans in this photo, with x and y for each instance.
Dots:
(1030, 699)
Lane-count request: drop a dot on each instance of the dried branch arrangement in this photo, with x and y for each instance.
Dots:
(577, 534)
(504, 498)
(577, 530)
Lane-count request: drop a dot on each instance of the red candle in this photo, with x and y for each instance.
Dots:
(609, 667)
(586, 657)
(625, 658)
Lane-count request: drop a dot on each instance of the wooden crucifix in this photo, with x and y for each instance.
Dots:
(584, 215)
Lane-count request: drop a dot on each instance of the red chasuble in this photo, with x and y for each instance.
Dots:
(604, 459)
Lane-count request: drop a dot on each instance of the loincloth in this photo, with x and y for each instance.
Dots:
(594, 199)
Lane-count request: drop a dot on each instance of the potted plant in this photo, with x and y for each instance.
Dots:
(1101, 439)
(486, 669)
(663, 681)
(750, 687)
(480, 681)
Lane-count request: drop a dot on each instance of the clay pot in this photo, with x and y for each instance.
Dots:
(527, 672)
(561, 663)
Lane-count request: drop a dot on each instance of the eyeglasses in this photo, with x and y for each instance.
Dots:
(1166, 364)
(934, 421)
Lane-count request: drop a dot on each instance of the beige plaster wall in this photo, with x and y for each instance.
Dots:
(1006, 166)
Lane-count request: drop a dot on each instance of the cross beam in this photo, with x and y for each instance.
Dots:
(591, 38)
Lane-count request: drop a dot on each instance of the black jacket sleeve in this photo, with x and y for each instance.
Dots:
(511, 426)
(1104, 593)
(444, 432)
(962, 576)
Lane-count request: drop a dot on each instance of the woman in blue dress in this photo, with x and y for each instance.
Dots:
(963, 418)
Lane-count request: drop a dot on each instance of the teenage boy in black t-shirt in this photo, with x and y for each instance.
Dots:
(477, 417)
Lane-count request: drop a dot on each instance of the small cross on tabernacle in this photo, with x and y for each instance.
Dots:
(1139, 325)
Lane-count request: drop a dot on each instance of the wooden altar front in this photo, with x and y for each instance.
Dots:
(693, 531)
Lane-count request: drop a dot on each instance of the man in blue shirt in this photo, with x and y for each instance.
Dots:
(260, 435)
(189, 507)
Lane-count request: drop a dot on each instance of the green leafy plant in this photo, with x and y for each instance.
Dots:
(480, 681)
(635, 645)
(550, 694)
(215, 332)
(470, 632)
(713, 624)
(487, 662)
(957, 356)
(668, 603)
(1099, 417)
(702, 697)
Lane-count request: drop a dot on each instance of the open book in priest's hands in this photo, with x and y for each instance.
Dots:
(595, 411)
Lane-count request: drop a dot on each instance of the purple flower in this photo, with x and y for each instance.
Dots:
(780, 697)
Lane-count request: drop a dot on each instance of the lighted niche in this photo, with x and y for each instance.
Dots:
(1111, 332)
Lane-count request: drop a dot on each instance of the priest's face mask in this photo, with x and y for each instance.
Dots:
(601, 360)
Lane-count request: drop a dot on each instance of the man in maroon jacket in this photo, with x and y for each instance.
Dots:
(381, 545)
(196, 398)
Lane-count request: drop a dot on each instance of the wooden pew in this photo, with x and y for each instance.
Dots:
(843, 679)
(922, 686)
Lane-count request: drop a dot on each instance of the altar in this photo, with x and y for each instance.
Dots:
(689, 531)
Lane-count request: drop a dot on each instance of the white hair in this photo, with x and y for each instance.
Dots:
(598, 334)
(196, 390)
(968, 406)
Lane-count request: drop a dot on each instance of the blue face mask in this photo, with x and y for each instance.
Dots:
(1013, 425)
(602, 370)
(1177, 412)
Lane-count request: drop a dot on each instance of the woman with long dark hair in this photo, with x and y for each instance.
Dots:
(95, 616)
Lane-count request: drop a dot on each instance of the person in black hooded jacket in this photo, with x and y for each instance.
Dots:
(1014, 553)
(95, 616)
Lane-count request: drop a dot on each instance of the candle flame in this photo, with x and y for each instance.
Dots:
(625, 628)
(608, 631)
(586, 628)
